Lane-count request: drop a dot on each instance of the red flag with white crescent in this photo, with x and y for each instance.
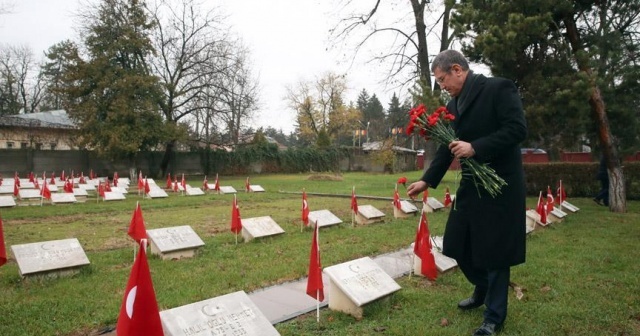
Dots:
(216, 187)
(447, 197)
(549, 200)
(396, 199)
(139, 313)
(541, 210)
(169, 181)
(147, 189)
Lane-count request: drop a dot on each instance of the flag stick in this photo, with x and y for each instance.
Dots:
(236, 238)
(317, 306)
(318, 289)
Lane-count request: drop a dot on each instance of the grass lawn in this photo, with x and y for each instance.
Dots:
(581, 276)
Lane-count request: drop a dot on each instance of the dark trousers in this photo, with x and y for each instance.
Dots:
(493, 285)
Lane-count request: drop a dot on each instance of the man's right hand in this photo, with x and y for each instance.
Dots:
(415, 188)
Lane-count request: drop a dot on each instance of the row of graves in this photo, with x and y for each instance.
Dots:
(352, 285)
(78, 189)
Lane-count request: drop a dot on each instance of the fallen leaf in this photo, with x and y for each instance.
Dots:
(444, 322)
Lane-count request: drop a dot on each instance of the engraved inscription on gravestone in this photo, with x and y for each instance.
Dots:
(257, 227)
(362, 280)
(43, 257)
(324, 218)
(177, 238)
(232, 314)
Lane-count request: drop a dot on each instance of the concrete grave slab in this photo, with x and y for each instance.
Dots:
(194, 192)
(407, 209)
(256, 188)
(355, 283)
(113, 196)
(556, 215)
(7, 202)
(50, 258)
(443, 263)
(231, 314)
(223, 190)
(432, 205)
(533, 216)
(157, 193)
(87, 187)
(26, 185)
(259, 227)
(569, 207)
(29, 194)
(62, 198)
(6, 189)
(323, 217)
(368, 214)
(121, 190)
(174, 242)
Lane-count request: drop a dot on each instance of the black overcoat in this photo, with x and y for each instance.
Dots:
(492, 120)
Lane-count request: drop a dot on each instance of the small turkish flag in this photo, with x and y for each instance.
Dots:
(447, 198)
(315, 287)
(139, 314)
(137, 230)
(305, 209)
(422, 249)
(217, 184)
(354, 201)
(541, 210)
(147, 189)
(169, 181)
(236, 222)
(396, 199)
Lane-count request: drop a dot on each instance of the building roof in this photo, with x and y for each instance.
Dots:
(377, 145)
(49, 119)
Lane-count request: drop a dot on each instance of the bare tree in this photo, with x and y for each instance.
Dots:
(20, 84)
(191, 46)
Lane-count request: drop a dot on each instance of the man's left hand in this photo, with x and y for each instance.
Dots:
(461, 149)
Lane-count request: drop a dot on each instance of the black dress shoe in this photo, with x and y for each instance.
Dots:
(488, 329)
(470, 303)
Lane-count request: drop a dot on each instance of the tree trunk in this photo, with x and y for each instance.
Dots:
(617, 200)
(167, 158)
(423, 50)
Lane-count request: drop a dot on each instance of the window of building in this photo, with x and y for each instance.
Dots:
(9, 144)
(39, 146)
(53, 145)
(24, 145)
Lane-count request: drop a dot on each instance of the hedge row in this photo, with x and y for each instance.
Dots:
(578, 179)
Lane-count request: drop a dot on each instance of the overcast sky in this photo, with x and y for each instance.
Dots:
(288, 39)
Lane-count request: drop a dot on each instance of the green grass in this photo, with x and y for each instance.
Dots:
(581, 276)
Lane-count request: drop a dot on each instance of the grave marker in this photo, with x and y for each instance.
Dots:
(7, 202)
(194, 192)
(50, 258)
(256, 188)
(6, 189)
(533, 219)
(443, 263)
(324, 218)
(113, 196)
(355, 283)
(223, 190)
(26, 185)
(407, 209)
(258, 227)
(87, 187)
(556, 215)
(174, 242)
(368, 214)
(570, 207)
(60, 198)
(157, 193)
(231, 314)
(432, 205)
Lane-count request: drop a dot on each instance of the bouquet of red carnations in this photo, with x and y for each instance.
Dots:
(437, 126)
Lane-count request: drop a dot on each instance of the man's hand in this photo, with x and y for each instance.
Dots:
(461, 149)
(415, 188)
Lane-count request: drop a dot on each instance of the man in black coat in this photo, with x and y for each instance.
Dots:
(484, 234)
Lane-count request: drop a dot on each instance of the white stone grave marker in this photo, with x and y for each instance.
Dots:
(157, 193)
(7, 202)
(570, 207)
(324, 218)
(533, 218)
(432, 205)
(443, 263)
(113, 196)
(6, 189)
(87, 187)
(223, 190)
(27, 185)
(194, 192)
(556, 215)
(407, 209)
(256, 188)
(355, 283)
(258, 227)
(368, 214)
(29, 194)
(50, 258)
(232, 314)
(174, 242)
(60, 198)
